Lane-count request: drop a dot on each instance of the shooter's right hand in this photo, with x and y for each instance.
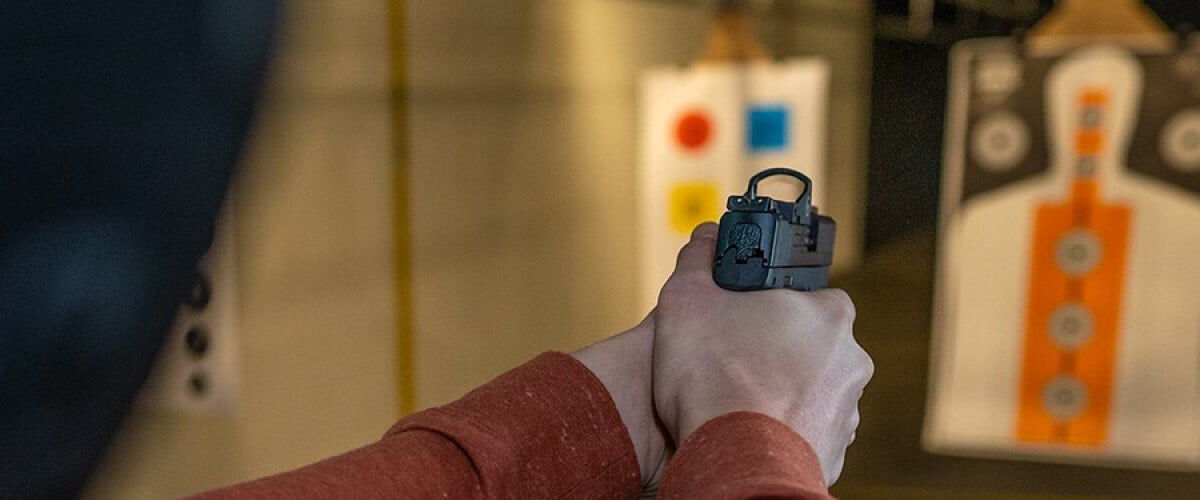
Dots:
(786, 354)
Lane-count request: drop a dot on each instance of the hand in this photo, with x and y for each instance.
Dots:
(622, 363)
(787, 354)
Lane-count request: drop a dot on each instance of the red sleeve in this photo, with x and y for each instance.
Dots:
(546, 429)
(744, 455)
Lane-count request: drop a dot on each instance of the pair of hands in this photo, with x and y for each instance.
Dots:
(705, 352)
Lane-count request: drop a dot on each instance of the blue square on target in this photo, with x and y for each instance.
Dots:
(768, 127)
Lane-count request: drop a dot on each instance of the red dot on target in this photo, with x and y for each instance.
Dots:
(693, 130)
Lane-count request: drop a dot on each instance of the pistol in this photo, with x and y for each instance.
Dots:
(764, 243)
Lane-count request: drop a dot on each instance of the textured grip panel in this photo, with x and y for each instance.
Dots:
(745, 237)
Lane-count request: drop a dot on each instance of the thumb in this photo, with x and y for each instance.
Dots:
(697, 254)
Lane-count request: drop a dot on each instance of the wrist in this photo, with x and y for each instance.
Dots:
(696, 407)
(622, 364)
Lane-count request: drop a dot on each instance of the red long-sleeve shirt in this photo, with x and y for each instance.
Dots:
(549, 429)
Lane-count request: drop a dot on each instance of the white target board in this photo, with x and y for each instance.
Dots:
(1067, 321)
(705, 130)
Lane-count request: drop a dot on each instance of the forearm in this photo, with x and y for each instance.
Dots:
(417, 464)
(545, 429)
(622, 364)
(744, 455)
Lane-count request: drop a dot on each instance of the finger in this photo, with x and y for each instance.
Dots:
(697, 254)
(705, 230)
(834, 470)
(648, 321)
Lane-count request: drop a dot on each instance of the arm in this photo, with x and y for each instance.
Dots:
(744, 455)
(545, 429)
(737, 378)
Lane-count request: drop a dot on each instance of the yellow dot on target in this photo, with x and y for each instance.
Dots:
(692, 203)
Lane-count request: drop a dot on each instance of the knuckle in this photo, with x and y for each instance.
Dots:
(697, 279)
(685, 252)
(685, 280)
(706, 230)
(866, 363)
(686, 290)
(780, 298)
(841, 306)
(697, 248)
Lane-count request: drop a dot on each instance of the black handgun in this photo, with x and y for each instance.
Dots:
(764, 243)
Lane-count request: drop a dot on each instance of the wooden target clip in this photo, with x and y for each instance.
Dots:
(730, 38)
(1079, 22)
